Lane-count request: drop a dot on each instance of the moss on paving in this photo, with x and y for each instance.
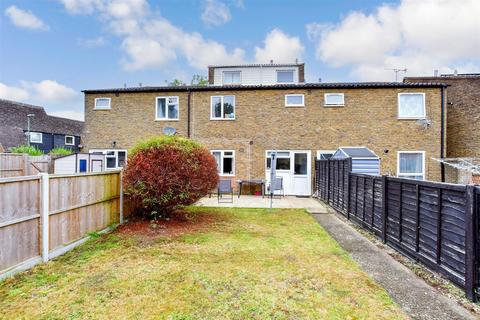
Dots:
(251, 264)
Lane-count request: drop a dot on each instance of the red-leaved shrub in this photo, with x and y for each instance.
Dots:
(168, 172)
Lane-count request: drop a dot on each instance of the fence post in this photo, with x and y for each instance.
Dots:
(470, 244)
(384, 208)
(121, 198)
(44, 214)
(26, 169)
(349, 170)
(328, 181)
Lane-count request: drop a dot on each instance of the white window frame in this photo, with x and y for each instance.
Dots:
(319, 152)
(222, 156)
(325, 98)
(290, 156)
(294, 104)
(103, 108)
(285, 70)
(32, 133)
(166, 109)
(415, 117)
(406, 175)
(231, 71)
(73, 141)
(212, 113)
(115, 155)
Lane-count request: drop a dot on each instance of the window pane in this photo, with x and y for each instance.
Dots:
(227, 165)
(110, 153)
(325, 156)
(35, 137)
(284, 76)
(283, 163)
(300, 166)
(68, 140)
(111, 162)
(173, 111)
(217, 156)
(102, 103)
(411, 105)
(269, 163)
(231, 77)
(217, 107)
(229, 107)
(295, 99)
(161, 108)
(121, 158)
(335, 99)
(411, 163)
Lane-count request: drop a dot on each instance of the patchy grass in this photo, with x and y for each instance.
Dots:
(240, 264)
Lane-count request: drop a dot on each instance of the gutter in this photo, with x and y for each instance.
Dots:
(442, 133)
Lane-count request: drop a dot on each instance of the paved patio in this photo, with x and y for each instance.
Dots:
(310, 204)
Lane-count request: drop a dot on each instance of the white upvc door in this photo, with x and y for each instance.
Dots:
(295, 167)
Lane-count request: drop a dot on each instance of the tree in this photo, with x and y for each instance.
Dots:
(166, 173)
(199, 80)
(176, 83)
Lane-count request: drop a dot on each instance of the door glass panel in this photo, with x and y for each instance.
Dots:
(283, 163)
(300, 163)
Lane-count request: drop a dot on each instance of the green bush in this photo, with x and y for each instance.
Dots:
(60, 151)
(30, 150)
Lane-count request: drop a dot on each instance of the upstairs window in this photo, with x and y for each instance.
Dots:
(222, 108)
(231, 77)
(225, 162)
(411, 165)
(103, 103)
(334, 99)
(69, 140)
(167, 108)
(294, 100)
(35, 137)
(411, 105)
(285, 76)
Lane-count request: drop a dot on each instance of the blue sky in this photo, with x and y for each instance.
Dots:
(52, 49)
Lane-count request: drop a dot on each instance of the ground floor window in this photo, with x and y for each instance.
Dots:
(35, 137)
(283, 160)
(411, 165)
(225, 161)
(114, 159)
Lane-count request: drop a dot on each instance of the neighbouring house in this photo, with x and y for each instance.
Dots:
(79, 163)
(241, 122)
(46, 132)
(462, 162)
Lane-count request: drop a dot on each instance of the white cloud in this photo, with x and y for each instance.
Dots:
(13, 93)
(92, 43)
(50, 91)
(75, 115)
(279, 47)
(81, 6)
(215, 13)
(419, 35)
(25, 19)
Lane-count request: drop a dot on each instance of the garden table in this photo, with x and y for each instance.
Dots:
(260, 182)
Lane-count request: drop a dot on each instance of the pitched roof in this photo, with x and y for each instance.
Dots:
(13, 117)
(321, 85)
(254, 65)
(355, 152)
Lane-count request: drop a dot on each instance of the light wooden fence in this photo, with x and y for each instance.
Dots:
(44, 216)
(15, 164)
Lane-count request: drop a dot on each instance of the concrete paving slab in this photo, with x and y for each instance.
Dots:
(414, 295)
(312, 205)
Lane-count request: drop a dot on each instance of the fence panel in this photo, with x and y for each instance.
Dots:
(434, 223)
(15, 165)
(19, 220)
(74, 205)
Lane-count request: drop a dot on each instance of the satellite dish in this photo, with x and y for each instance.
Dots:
(169, 131)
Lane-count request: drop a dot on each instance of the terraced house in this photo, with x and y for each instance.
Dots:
(247, 111)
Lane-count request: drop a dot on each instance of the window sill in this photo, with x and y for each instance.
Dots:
(411, 118)
(226, 175)
(295, 106)
(102, 109)
(167, 119)
(70, 144)
(222, 119)
(333, 105)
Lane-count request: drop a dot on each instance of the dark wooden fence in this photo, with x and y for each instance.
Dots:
(434, 223)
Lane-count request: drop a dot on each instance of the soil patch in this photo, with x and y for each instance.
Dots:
(180, 223)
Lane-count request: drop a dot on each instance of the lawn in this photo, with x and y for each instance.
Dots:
(214, 264)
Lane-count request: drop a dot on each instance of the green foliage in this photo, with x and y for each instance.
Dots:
(30, 150)
(198, 80)
(184, 144)
(60, 151)
(176, 83)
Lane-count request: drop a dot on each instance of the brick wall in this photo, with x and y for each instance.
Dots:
(369, 118)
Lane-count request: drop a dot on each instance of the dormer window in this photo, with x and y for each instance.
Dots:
(232, 77)
(284, 76)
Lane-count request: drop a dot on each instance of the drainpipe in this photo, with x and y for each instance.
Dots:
(188, 113)
(442, 132)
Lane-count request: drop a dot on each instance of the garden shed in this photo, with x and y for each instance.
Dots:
(364, 160)
(79, 163)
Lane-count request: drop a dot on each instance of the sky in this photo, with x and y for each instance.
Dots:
(50, 50)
